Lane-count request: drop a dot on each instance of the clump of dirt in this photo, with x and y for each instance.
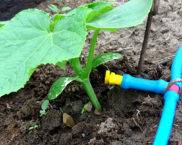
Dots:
(51, 120)
(42, 78)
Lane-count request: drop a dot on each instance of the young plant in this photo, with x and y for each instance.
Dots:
(33, 38)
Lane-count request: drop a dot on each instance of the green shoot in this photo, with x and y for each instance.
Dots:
(33, 37)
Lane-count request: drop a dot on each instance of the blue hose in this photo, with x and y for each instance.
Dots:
(171, 99)
(155, 86)
(176, 69)
(166, 122)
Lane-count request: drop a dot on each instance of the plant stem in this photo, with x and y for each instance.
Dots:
(57, 17)
(91, 53)
(90, 92)
(75, 63)
(84, 73)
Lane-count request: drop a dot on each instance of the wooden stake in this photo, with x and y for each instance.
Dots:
(153, 12)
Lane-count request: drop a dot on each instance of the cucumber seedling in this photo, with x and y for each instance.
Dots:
(33, 37)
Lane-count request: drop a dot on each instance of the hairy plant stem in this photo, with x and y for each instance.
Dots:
(84, 73)
(90, 92)
(75, 63)
(86, 83)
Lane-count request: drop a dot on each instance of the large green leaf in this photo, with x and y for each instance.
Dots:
(128, 14)
(26, 42)
(106, 57)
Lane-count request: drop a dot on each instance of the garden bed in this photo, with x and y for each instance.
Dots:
(128, 117)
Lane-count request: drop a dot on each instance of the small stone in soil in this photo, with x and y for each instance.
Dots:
(83, 134)
(106, 126)
(68, 120)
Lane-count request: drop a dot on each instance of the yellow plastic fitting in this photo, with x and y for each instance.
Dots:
(113, 79)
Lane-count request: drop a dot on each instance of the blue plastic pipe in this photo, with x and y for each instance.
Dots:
(166, 122)
(176, 69)
(171, 99)
(155, 86)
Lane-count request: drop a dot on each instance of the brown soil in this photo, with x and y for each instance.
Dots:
(129, 117)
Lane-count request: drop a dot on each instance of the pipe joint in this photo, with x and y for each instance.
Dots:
(175, 87)
(113, 79)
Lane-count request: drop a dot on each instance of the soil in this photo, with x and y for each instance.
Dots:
(129, 117)
(8, 8)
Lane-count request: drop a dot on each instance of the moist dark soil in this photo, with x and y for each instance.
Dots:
(128, 117)
(8, 8)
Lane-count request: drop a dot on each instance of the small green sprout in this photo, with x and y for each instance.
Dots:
(33, 126)
(87, 107)
(33, 37)
(65, 9)
(54, 8)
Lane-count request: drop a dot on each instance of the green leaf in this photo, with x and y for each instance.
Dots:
(97, 9)
(33, 126)
(62, 65)
(44, 107)
(75, 21)
(26, 42)
(2, 23)
(87, 107)
(129, 14)
(106, 57)
(58, 87)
